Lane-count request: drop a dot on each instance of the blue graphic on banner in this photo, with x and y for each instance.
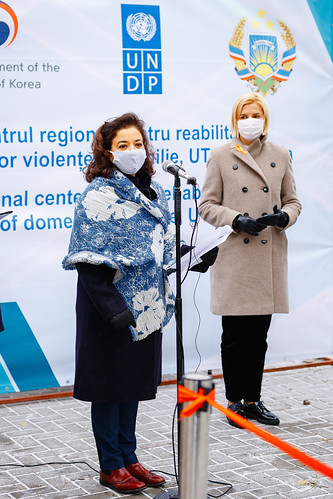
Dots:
(7, 15)
(4, 32)
(6, 385)
(142, 54)
(322, 11)
(23, 363)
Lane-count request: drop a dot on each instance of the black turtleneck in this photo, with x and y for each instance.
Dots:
(142, 181)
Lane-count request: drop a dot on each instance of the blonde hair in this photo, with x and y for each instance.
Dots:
(248, 98)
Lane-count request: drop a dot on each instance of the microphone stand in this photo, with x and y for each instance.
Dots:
(179, 303)
(175, 494)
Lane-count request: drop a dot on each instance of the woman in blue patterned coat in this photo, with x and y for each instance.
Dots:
(121, 245)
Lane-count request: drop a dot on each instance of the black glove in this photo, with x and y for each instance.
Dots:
(122, 320)
(248, 225)
(208, 259)
(278, 218)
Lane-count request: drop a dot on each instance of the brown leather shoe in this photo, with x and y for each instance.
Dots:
(145, 476)
(121, 481)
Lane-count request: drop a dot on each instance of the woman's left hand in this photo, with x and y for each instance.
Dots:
(208, 259)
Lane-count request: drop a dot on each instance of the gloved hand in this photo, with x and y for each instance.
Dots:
(208, 259)
(278, 218)
(248, 224)
(122, 320)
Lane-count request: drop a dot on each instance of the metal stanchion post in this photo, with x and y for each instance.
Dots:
(194, 443)
(194, 435)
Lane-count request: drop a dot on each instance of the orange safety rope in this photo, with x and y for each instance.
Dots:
(197, 400)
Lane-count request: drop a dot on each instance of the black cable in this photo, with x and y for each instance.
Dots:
(7, 465)
(199, 323)
(46, 464)
(174, 443)
(229, 485)
(192, 240)
(194, 231)
(180, 343)
(194, 235)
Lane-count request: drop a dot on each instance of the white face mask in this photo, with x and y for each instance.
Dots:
(251, 128)
(129, 162)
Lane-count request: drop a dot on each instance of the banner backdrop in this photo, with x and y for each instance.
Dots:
(66, 67)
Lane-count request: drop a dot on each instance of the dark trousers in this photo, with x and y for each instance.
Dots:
(243, 350)
(113, 425)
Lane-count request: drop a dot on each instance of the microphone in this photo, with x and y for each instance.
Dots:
(178, 171)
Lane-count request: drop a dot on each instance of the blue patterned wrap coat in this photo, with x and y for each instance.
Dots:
(122, 243)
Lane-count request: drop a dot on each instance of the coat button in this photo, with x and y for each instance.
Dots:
(246, 240)
(273, 164)
(265, 189)
(235, 167)
(245, 189)
(246, 214)
(264, 241)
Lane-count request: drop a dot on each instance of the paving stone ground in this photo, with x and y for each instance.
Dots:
(58, 430)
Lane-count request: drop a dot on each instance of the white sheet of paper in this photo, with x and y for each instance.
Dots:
(215, 238)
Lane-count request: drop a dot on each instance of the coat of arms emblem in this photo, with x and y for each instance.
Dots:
(262, 63)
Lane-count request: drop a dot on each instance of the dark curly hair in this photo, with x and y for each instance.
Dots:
(101, 164)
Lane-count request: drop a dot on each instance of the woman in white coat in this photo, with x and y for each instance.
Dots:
(250, 186)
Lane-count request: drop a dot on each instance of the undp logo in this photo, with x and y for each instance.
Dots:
(8, 25)
(141, 27)
(142, 55)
